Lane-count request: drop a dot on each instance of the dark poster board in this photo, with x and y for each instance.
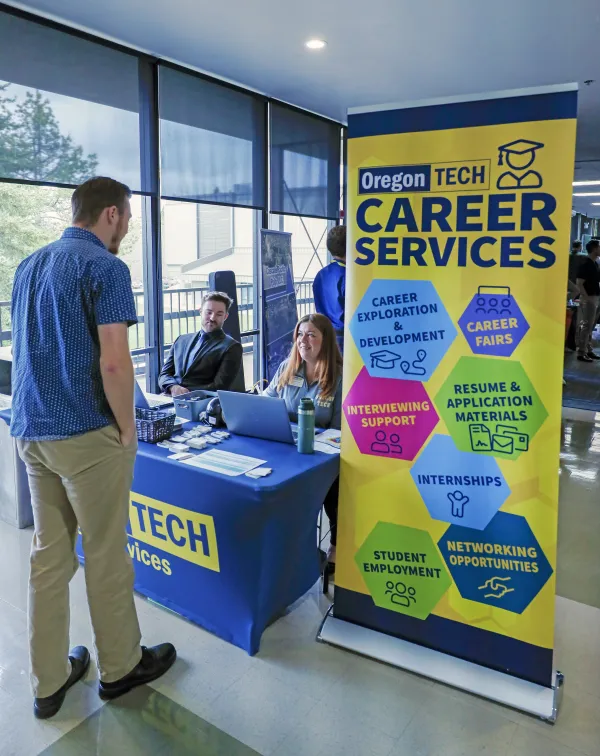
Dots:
(279, 298)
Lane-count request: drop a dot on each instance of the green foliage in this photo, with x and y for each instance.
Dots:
(32, 146)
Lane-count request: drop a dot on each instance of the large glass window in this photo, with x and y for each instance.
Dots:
(305, 164)
(192, 149)
(68, 107)
(198, 240)
(33, 216)
(309, 254)
(212, 141)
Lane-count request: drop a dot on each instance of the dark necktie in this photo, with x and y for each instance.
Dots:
(196, 350)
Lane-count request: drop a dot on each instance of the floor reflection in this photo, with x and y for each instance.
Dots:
(578, 573)
(145, 722)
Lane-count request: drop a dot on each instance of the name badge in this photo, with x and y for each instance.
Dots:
(298, 381)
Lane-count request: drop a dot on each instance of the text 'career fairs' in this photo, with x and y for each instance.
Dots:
(459, 220)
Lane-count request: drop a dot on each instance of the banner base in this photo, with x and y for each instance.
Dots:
(488, 683)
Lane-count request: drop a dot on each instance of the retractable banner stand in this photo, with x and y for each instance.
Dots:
(280, 313)
(459, 217)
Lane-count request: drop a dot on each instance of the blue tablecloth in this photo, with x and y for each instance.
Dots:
(265, 533)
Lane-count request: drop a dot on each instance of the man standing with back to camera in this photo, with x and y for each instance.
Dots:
(329, 286)
(73, 418)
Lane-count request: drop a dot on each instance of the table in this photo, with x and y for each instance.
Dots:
(230, 554)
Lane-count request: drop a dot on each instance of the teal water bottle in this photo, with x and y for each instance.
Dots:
(306, 426)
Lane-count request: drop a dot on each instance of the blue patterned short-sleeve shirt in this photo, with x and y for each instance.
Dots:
(61, 294)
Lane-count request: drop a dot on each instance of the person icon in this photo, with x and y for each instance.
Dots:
(519, 155)
(400, 594)
(395, 447)
(480, 302)
(493, 304)
(458, 501)
(505, 306)
(379, 446)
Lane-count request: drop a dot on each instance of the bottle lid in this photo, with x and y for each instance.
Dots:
(306, 403)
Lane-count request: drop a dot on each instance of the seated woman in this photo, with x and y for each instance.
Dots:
(314, 369)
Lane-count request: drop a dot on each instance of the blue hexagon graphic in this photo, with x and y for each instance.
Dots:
(402, 329)
(502, 566)
(493, 323)
(459, 487)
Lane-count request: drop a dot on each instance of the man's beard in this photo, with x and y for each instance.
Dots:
(116, 240)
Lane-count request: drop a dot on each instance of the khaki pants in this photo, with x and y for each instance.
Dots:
(586, 322)
(85, 481)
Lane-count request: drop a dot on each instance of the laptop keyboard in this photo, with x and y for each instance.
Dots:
(158, 401)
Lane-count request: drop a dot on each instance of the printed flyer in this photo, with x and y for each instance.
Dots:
(458, 221)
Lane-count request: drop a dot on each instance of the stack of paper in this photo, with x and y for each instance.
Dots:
(224, 462)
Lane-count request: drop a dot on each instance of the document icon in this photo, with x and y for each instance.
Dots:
(481, 438)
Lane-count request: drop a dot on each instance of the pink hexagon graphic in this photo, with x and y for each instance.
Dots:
(389, 417)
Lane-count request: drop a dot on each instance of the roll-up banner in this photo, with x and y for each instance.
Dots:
(280, 312)
(458, 216)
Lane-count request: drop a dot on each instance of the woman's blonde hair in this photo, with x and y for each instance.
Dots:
(329, 363)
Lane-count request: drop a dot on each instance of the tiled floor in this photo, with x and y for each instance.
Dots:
(300, 698)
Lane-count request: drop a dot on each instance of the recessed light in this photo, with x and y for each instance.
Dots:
(586, 183)
(315, 44)
(586, 194)
(595, 203)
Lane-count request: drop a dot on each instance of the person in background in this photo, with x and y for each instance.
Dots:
(588, 282)
(575, 259)
(314, 369)
(329, 286)
(72, 416)
(209, 359)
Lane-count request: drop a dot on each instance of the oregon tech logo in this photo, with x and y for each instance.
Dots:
(394, 179)
(180, 532)
(425, 177)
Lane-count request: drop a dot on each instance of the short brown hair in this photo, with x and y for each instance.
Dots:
(329, 364)
(217, 296)
(94, 196)
(336, 242)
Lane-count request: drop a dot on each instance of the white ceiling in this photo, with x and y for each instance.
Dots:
(378, 50)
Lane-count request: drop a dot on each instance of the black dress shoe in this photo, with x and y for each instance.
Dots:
(44, 708)
(584, 358)
(154, 663)
(593, 355)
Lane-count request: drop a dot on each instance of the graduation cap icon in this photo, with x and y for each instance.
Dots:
(519, 154)
(384, 359)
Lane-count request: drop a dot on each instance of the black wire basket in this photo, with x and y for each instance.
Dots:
(153, 425)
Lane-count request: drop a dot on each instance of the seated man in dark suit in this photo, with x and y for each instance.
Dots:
(209, 359)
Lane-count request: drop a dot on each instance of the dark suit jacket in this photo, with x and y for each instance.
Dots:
(214, 367)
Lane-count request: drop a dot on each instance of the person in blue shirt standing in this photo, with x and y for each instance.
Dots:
(73, 418)
(329, 286)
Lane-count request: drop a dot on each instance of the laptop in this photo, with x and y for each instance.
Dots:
(257, 416)
(150, 401)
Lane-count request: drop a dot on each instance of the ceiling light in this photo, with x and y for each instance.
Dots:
(595, 203)
(586, 194)
(586, 183)
(315, 44)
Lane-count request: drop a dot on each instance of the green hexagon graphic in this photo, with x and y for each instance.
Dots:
(490, 407)
(403, 569)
